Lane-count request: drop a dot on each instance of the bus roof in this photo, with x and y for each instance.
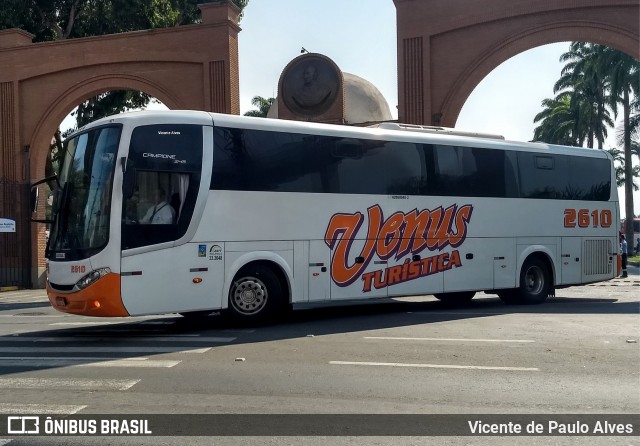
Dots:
(390, 130)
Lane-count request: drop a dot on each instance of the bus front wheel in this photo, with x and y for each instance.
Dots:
(535, 284)
(254, 295)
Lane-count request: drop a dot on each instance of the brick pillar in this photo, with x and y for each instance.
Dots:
(8, 140)
(222, 82)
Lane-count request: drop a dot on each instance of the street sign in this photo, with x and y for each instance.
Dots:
(7, 225)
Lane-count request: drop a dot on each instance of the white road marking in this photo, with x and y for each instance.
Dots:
(37, 315)
(435, 366)
(97, 324)
(84, 362)
(393, 338)
(8, 408)
(67, 383)
(80, 338)
(456, 313)
(100, 349)
(22, 295)
(132, 362)
(3, 442)
(23, 300)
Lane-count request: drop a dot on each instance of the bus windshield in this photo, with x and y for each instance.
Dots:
(83, 201)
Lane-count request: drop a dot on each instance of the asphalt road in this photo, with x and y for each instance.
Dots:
(576, 354)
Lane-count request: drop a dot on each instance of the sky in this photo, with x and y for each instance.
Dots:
(360, 37)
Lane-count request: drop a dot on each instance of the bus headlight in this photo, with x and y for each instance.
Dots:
(92, 277)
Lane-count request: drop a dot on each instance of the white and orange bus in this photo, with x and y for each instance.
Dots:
(269, 213)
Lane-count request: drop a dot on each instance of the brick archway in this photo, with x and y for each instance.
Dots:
(68, 100)
(446, 48)
(187, 67)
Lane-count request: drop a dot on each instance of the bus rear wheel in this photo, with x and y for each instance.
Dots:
(461, 297)
(255, 295)
(535, 284)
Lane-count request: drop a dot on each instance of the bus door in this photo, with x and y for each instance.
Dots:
(163, 185)
(571, 260)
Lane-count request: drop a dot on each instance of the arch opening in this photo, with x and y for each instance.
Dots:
(508, 99)
(88, 106)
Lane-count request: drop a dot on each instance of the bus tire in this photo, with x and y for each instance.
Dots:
(458, 298)
(255, 295)
(535, 284)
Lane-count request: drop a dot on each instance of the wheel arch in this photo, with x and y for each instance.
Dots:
(542, 252)
(272, 260)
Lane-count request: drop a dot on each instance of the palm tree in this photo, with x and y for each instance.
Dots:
(623, 74)
(618, 157)
(560, 123)
(263, 105)
(585, 77)
(595, 80)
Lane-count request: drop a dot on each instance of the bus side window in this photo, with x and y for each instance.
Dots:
(150, 218)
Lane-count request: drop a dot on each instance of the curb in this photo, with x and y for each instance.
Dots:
(8, 288)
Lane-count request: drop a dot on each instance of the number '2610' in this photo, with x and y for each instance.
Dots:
(583, 218)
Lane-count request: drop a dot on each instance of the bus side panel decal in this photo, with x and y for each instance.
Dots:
(399, 235)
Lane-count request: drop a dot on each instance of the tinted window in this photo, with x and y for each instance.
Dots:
(160, 208)
(176, 147)
(288, 162)
(163, 169)
(378, 167)
(474, 172)
(564, 177)
(278, 161)
(268, 161)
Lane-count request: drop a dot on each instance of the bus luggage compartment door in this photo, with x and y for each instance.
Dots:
(319, 271)
(354, 276)
(571, 260)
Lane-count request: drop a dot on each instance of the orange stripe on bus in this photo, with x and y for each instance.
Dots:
(102, 298)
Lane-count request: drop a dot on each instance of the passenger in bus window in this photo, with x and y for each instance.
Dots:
(161, 213)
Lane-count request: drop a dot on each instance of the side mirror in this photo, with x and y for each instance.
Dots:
(34, 195)
(33, 198)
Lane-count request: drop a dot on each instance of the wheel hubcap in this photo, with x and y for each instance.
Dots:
(534, 280)
(249, 295)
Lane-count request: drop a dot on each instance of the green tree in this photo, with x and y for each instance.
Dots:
(585, 76)
(594, 82)
(263, 105)
(618, 157)
(66, 19)
(623, 72)
(559, 122)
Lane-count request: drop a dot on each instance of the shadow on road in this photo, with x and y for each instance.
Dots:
(327, 320)
(9, 306)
